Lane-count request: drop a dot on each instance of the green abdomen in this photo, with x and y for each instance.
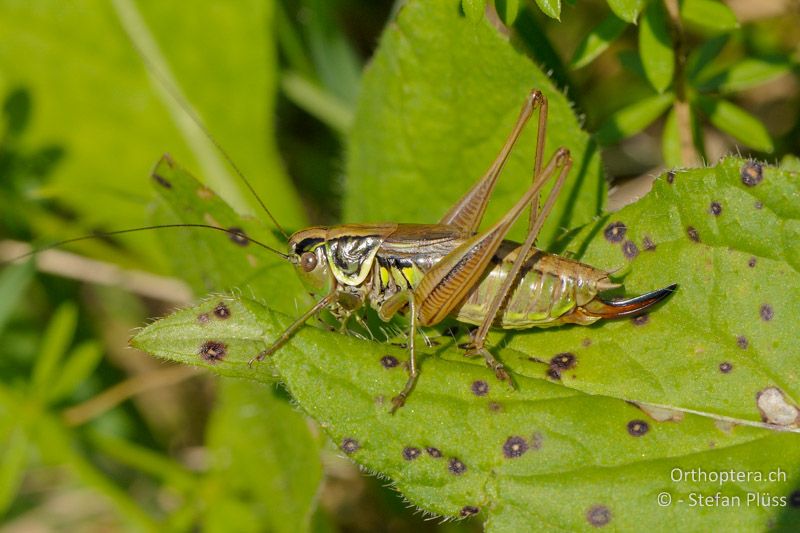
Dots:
(549, 289)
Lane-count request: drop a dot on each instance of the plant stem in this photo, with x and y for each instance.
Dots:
(683, 114)
(115, 395)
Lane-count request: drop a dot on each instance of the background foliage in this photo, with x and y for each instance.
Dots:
(89, 103)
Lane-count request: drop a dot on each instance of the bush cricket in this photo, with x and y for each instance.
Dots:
(447, 269)
(432, 271)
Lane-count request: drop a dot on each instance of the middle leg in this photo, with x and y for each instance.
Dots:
(413, 374)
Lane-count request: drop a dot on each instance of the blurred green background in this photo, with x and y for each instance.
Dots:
(94, 435)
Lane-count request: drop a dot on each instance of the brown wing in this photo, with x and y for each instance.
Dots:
(416, 241)
(360, 230)
(447, 283)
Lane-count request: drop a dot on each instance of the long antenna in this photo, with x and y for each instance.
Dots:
(190, 112)
(235, 234)
(133, 17)
(196, 119)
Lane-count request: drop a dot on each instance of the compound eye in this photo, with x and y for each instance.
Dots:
(308, 261)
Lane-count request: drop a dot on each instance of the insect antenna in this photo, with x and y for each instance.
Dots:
(140, 38)
(239, 174)
(233, 233)
(140, 41)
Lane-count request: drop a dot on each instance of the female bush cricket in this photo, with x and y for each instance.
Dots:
(433, 271)
(450, 269)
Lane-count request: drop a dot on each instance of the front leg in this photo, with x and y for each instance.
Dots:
(297, 324)
(346, 306)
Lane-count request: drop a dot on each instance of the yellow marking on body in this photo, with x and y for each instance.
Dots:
(411, 275)
(384, 276)
(398, 277)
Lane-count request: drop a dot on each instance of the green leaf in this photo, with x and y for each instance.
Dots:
(709, 14)
(80, 363)
(655, 47)
(721, 233)
(700, 57)
(92, 97)
(57, 447)
(12, 468)
(736, 122)
(633, 119)
(446, 93)
(55, 342)
(530, 37)
(14, 282)
(671, 141)
(318, 103)
(264, 454)
(211, 260)
(627, 10)
(474, 9)
(335, 60)
(551, 8)
(790, 162)
(744, 74)
(727, 235)
(507, 10)
(290, 42)
(146, 460)
(632, 62)
(275, 481)
(598, 40)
